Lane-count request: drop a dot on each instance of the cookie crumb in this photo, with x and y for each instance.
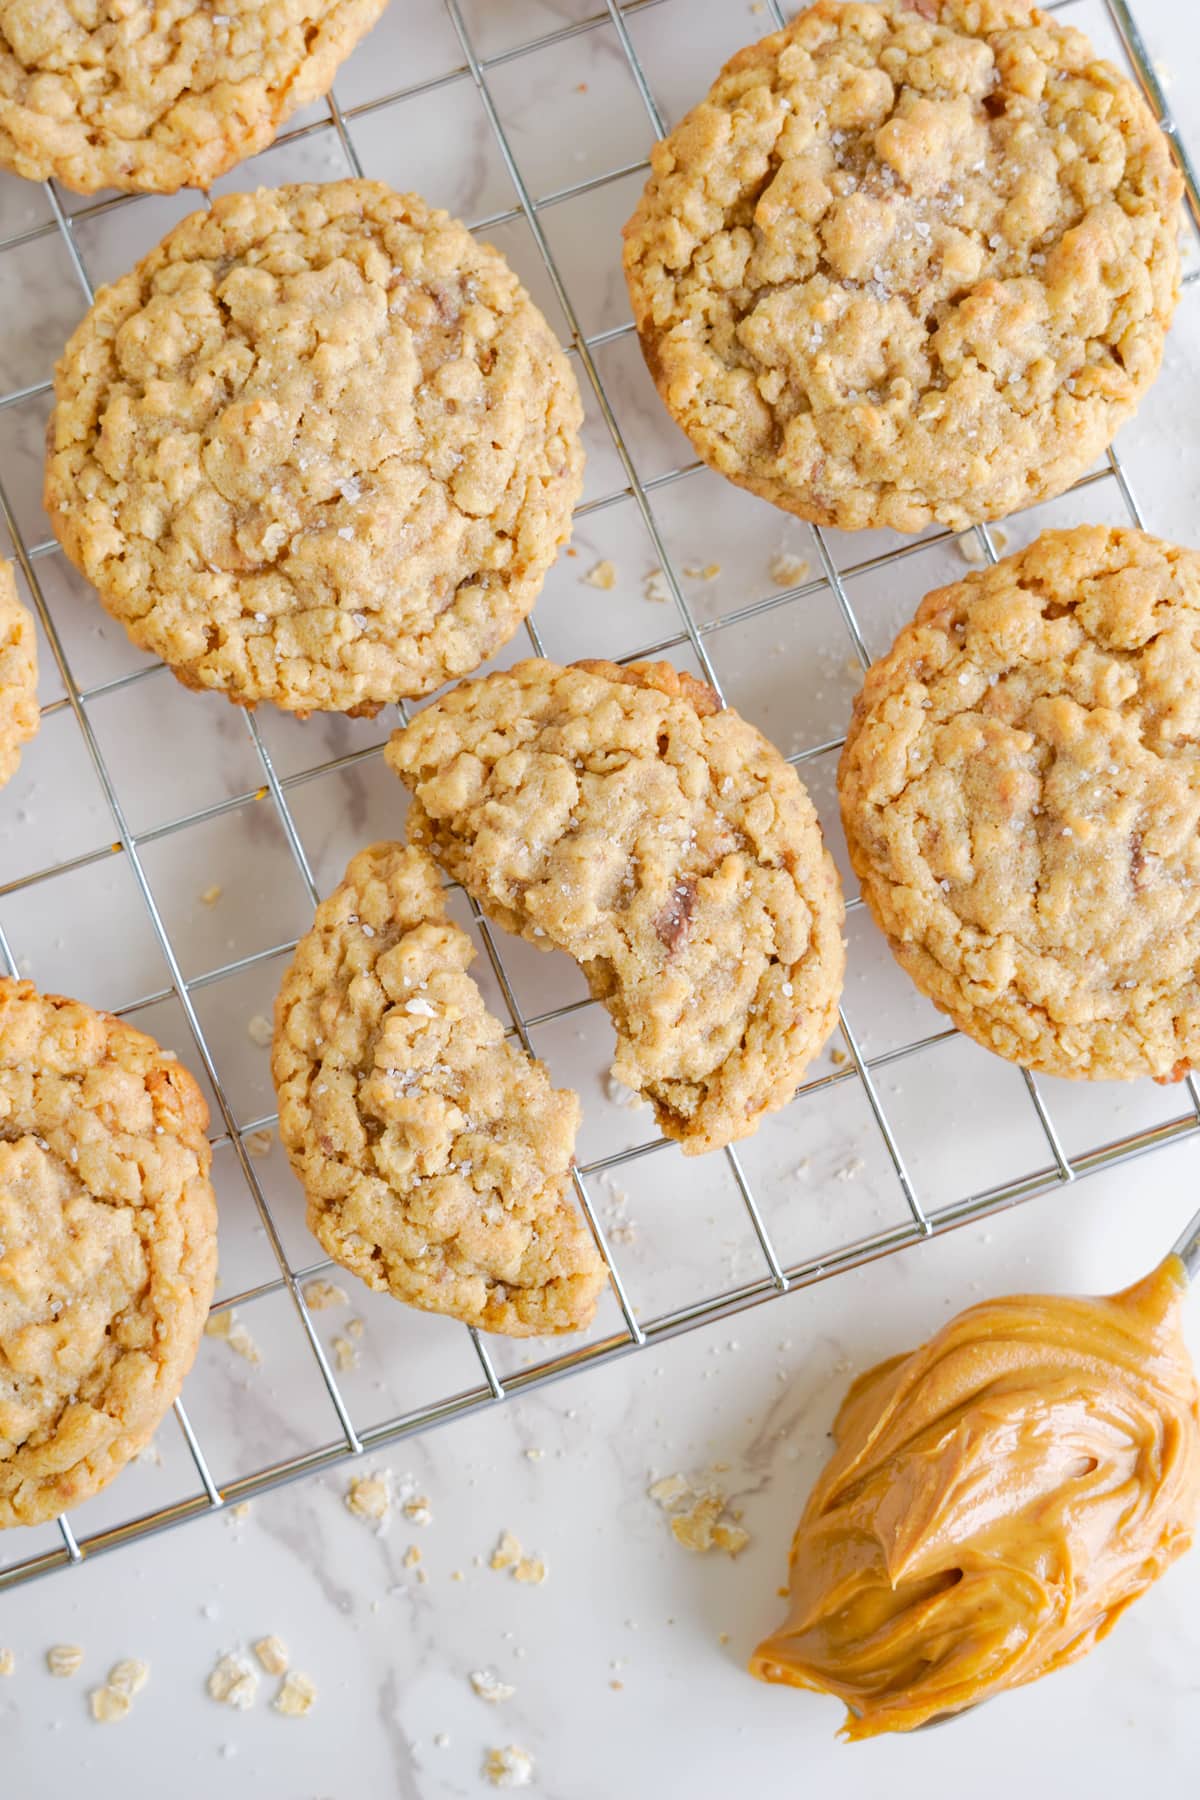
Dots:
(604, 576)
(787, 570)
(412, 1557)
(344, 1354)
(258, 1143)
(354, 1329)
(233, 1681)
(534, 1455)
(970, 548)
(531, 1571)
(838, 1057)
(507, 1553)
(441, 1740)
(64, 1660)
(488, 1685)
(699, 1517)
(228, 1326)
(708, 572)
(212, 894)
(295, 1698)
(8, 1662)
(418, 1510)
(241, 1511)
(657, 588)
(508, 1766)
(260, 1030)
(319, 1295)
(272, 1654)
(370, 1496)
(850, 1170)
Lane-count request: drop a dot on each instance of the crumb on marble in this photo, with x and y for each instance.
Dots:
(507, 1553)
(8, 1662)
(233, 1681)
(488, 1685)
(508, 1766)
(355, 1329)
(412, 1557)
(969, 548)
(838, 1056)
(320, 1295)
(700, 1518)
(417, 1510)
(212, 894)
(64, 1660)
(531, 1571)
(787, 570)
(657, 588)
(702, 572)
(272, 1654)
(259, 1142)
(296, 1697)
(108, 1705)
(603, 576)
(240, 1512)
(260, 1030)
(227, 1326)
(370, 1496)
(344, 1354)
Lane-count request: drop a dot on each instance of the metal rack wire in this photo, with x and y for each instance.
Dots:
(776, 1276)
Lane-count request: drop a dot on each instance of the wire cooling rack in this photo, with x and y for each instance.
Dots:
(438, 1371)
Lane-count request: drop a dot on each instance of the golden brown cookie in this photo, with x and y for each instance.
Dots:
(908, 262)
(318, 448)
(435, 1155)
(108, 1246)
(154, 98)
(1021, 796)
(19, 715)
(620, 815)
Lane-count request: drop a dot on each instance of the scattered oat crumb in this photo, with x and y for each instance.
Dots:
(108, 1705)
(412, 1557)
(370, 1496)
(129, 1676)
(509, 1767)
(697, 1516)
(212, 894)
(617, 1686)
(354, 1329)
(457, 1575)
(531, 1571)
(534, 1455)
(970, 548)
(604, 575)
(838, 1057)
(656, 587)
(489, 1687)
(8, 1662)
(228, 1326)
(272, 1654)
(260, 1030)
(233, 1681)
(295, 1698)
(241, 1511)
(418, 1510)
(318, 1295)
(709, 572)
(787, 570)
(722, 1637)
(344, 1354)
(849, 1170)
(258, 1143)
(507, 1553)
(64, 1659)
(1000, 538)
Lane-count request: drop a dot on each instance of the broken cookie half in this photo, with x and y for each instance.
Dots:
(624, 816)
(435, 1155)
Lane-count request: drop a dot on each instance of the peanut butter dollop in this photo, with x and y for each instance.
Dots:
(995, 1501)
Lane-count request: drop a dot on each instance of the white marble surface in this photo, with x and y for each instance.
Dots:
(623, 1603)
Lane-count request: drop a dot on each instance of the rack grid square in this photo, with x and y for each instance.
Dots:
(855, 1168)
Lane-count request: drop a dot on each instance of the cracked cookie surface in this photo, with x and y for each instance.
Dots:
(435, 1155)
(108, 1246)
(908, 262)
(620, 815)
(1021, 796)
(19, 715)
(151, 98)
(318, 448)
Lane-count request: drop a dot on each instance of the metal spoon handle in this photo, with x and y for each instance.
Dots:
(1188, 1248)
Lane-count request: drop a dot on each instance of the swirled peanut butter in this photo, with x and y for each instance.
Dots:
(995, 1501)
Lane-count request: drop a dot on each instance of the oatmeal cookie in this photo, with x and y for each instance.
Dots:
(435, 1155)
(155, 98)
(621, 815)
(908, 262)
(108, 1246)
(318, 448)
(1021, 798)
(19, 715)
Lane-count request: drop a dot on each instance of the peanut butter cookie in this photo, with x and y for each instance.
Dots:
(619, 814)
(318, 448)
(155, 98)
(908, 262)
(108, 1246)
(1021, 797)
(19, 715)
(435, 1155)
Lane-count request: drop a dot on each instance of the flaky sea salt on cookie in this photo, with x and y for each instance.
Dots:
(108, 1246)
(1021, 796)
(154, 98)
(434, 1153)
(19, 715)
(908, 262)
(318, 448)
(621, 815)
